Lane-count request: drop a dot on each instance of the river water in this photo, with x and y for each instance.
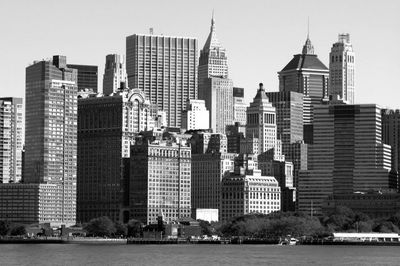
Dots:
(177, 255)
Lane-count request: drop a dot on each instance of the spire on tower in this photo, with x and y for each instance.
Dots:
(212, 20)
(308, 48)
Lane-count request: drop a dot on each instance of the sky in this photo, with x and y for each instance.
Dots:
(260, 36)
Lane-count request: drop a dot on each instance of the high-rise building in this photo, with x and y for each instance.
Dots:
(160, 180)
(289, 115)
(11, 140)
(215, 88)
(341, 69)
(234, 134)
(391, 135)
(289, 122)
(196, 116)
(114, 73)
(87, 76)
(107, 126)
(306, 74)
(165, 69)
(51, 143)
(239, 106)
(261, 121)
(208, 169)
(347, 156)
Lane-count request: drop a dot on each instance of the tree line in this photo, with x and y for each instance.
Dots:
(282, 224)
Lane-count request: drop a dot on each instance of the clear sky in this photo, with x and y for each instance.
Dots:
(260, 36)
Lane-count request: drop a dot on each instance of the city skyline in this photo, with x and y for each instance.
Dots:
(275, 44)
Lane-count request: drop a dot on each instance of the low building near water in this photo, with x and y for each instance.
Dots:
(366, 237)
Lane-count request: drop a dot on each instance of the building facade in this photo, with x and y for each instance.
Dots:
(160, 181)
(208, 170)
(87, 77)
(244, 192)
(196, 115)
(165, 69)
(347, 156)
(391, 135)
(51, 132)
(107, 126)
(114, 73)
(11, 140)
(341, 69)
(239, 106)
(261, 121)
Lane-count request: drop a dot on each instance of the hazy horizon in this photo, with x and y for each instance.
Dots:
(260, 37)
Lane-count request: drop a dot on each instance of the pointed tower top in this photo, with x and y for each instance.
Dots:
(212, 21)
(308, 48)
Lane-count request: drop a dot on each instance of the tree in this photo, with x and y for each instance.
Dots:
(4, 227)
(101, 226)
(205, 227)
(134, 228)
(18, 230)
(121, 229)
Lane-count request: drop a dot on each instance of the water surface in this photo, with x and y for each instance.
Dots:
(171, 255)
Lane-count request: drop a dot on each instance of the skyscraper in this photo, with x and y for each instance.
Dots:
(261, 121)
(10, 140)
(87, 76)
(160, 180)
(114, 73)
(347, 156)
(215, 88)
(341, 69)
(239, 106)
(165, 69)
(391, 135)
(51, 134)
(107, 126)
(306, 74)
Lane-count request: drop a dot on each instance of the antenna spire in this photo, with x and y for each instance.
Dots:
(308, 27)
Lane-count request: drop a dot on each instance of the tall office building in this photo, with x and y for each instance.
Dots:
(306, 74)
(160, 180)
(239, 106)
(195, 116)
(215, 88)
(347, 156)
(341, 69)
(165, 69)
(114, 73)
(51, 138)
(107, 126)
(87, 76)
(10, 140)
(289, 115)
(391, 136)
(261, 121)
(208, 170)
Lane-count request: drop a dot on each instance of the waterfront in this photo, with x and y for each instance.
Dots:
(73, 254)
